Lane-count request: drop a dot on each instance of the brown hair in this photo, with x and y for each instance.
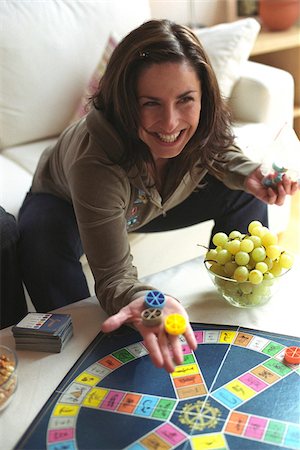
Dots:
(156, 42)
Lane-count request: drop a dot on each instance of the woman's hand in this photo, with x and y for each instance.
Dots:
(271, 195)
(164, 349)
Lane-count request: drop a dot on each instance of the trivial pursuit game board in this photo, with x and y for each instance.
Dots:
(235, 392)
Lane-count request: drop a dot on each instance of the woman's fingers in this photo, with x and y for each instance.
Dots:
(152, 345)
(190, 338)
(287, 184)
(295, 186)
(280, 195)
(171, 351)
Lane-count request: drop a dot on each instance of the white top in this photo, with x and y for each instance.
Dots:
(40, 373)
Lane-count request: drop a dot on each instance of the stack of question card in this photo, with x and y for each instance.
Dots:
(43, 332)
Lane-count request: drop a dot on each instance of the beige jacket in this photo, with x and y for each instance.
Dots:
(109, 202)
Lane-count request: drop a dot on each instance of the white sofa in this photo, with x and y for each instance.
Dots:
(48, 52)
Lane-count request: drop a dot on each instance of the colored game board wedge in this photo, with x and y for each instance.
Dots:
(187, 379)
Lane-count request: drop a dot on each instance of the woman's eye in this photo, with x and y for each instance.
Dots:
(186, 99)
(150, 103)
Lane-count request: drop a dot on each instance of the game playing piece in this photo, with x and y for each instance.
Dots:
(175, 324)
(292, 355)
(155, 299)
(151, 317)
(275, 176)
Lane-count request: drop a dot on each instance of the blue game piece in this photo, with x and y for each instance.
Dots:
(279, 169)
(155, 299)
(268, 182)
(278, 178)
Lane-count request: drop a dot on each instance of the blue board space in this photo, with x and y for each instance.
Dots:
(118, 429)
(83, 416)
(211, 356)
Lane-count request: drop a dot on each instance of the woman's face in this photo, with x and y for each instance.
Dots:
(169, 96)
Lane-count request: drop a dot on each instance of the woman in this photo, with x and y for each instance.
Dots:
(154, 153)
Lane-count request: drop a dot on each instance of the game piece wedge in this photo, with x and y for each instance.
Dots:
(151, 317)
(175, 324)
(155, 299)
(292, 355)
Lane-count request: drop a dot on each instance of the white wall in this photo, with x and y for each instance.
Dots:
(197, 12)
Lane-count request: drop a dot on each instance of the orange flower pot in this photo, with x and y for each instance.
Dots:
(279, 15)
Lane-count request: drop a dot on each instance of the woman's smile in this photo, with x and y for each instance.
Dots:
(165, 138)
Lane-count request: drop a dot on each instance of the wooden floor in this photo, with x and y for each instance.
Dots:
(290, 239)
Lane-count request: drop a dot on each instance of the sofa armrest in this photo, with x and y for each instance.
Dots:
(263, 94)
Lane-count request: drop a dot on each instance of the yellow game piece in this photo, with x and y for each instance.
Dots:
(175, 324)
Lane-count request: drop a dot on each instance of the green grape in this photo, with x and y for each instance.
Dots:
(241, 274)
(254, 299)
(223, 256)
(251, 263)
(242, 258)
(253, 224)
(255, 276)
(217, 269)
(258, 254)
(269, 239)
(269, 262)
(273, 251)
(229, 287)
(230, 267)
(233, 246)
(219, 239)
(268, 279)
(268, 276)
(286, 260)
(262, 267)
(211, 255)
(246, 287)
(259, 231)
(235, 235)
(276, 269)
(261, 289)
(256, 240)
(247, 245)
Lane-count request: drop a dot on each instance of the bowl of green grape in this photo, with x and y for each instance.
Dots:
(247, 269)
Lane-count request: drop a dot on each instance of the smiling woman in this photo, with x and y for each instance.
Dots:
(156, 152)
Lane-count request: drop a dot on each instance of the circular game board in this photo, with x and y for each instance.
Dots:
(234, 392)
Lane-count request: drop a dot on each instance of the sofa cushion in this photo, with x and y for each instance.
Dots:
(93, 82)
(14, 183)
(17, 166)
(48, 52)
(228, 46)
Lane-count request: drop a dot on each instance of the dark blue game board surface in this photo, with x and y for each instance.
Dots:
(235, 392)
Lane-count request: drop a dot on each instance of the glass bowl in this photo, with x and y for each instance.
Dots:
(245, 294)
(8, 375)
